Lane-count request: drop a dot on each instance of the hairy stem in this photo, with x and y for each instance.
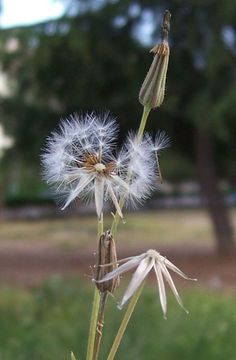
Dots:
(95, 308)
(124, 323)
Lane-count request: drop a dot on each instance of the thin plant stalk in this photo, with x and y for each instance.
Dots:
(93, 342)
(100, 322)
(95, 308)
(124, 323)
(146, 111)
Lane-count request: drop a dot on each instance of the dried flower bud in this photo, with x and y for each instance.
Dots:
(107, 262)
(153, 88)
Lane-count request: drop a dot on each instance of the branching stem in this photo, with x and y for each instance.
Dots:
(98, 309)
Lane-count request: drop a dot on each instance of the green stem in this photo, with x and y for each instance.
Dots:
(95, 308)
(146, 111)
(116, 219)
(93, 324)
(131, 306)
(124, 323)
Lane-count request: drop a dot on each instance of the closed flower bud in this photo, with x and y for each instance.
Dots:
(107, 262)
(153, 88)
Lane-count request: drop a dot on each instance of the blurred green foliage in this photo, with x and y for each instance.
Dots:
(94, 58)
(49, 322)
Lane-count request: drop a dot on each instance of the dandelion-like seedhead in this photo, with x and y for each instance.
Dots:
(145, 263)
(80, 161)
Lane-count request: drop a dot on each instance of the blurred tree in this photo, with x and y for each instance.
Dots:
(85, 62)
(204, 39)
(94, 57)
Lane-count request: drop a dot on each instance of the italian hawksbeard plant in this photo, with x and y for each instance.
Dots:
(81, 161)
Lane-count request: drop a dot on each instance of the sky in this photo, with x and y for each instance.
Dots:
(27, 12)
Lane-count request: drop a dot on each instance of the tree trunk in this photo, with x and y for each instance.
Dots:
(214, 201)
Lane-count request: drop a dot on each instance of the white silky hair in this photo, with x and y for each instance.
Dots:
(161, 141)
(76, 135)
(137, 163)
(79, 135)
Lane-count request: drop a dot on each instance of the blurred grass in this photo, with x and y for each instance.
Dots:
(167, 227)
(48, 322)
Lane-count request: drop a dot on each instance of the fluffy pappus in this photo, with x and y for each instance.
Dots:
(161, 142)
(79, 162)
(137, 163)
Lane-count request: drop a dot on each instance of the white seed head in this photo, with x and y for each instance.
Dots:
(79, 162)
